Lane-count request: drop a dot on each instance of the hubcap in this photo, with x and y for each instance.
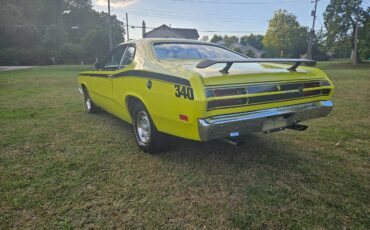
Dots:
(88, 103)
(143, 127)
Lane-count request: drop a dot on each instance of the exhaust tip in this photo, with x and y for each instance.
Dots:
(298, 127)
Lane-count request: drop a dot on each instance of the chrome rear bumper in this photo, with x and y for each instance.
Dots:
(231, 125)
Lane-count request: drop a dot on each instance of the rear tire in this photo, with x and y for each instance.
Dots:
(89, 104)
(146, 134)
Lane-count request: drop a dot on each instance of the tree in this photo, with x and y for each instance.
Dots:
(319, 51)
(15, 28)
(238, 50)
(204, 38)
(285, 35)
(96, 45)
(364, 50)
(251, 54)
(33, 31)
(78, 4)
(230, 40)
(340, 19)
(216, 38)
(253, 40)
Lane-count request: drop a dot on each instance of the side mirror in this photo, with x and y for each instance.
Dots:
(97, 65)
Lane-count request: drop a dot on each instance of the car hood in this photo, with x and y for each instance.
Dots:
(245, 73)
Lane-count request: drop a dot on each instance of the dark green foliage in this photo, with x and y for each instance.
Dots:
(216, 38)
(364, 47)
(340, 19)
(251, 54)
(94, 42)
(238, 50)
(286, 35)
(32, 32)
(230, 40)
(253, 40)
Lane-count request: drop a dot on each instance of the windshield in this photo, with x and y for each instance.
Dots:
(193, 51)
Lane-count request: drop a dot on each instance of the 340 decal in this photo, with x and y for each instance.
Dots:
(184, 91)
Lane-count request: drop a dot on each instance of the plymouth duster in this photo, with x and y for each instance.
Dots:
(202, 91)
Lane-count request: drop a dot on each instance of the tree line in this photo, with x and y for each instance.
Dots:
(285, 37)
(40, 32)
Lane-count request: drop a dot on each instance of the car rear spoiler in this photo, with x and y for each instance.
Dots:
(229, 62)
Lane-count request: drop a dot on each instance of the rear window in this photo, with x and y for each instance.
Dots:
(192, 51)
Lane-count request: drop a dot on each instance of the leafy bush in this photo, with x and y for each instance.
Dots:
(251, 54)
(32, 32)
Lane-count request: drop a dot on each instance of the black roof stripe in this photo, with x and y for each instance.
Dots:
(143, 74)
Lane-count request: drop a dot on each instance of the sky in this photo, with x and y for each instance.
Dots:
(233, 17)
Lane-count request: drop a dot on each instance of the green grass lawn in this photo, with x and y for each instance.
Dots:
(63, 168)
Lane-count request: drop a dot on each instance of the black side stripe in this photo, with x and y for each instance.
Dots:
(144, 74)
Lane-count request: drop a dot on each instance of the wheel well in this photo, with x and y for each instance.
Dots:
(131, 101)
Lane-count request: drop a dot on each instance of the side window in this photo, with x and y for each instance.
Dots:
(113, 61)
(129, 56)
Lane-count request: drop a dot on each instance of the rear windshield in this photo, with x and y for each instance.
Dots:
(192, 51)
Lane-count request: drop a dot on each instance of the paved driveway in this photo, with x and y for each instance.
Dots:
(8, 68)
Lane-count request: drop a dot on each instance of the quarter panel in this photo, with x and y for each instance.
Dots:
(159, 97)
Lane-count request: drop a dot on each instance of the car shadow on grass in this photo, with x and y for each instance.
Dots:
(244, 183)
(256, 149)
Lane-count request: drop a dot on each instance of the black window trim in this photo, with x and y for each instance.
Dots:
(128, 46)
(195, 43)
(124, 52)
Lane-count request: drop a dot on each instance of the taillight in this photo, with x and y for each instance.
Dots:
(325, 83)
(225, 92)
(326, 92)
(226, 103)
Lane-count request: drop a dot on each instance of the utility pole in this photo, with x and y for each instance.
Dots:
(143, 28)
(355, 51)
(312, 32)
(110, 27)
(128, 34)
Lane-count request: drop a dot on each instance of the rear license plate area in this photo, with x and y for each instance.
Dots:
(274, 123)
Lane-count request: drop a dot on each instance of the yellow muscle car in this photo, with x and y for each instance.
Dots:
(202, 91)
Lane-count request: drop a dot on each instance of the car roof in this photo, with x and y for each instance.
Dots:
(152, 40)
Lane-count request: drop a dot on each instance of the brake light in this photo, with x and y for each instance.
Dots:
(226, 103)
(225, 92)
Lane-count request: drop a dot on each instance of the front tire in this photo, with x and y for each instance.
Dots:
(147, 136)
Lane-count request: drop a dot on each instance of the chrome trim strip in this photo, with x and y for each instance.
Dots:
(273, 98)
(272, 87)
(250, 122)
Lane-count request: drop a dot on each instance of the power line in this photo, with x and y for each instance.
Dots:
(240, 3)
(184, 14)
(209, 31)
(231, 31)
(186, 18)
(173, 12)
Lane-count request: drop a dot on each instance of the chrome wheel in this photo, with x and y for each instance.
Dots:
(88, 104)
(143, 127)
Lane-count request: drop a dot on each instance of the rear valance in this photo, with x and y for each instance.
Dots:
(209, 62)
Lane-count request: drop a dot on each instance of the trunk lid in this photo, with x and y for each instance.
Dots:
(246, 73)
(255, 86)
